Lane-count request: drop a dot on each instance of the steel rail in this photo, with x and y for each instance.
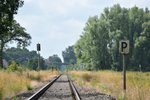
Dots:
(39, 93)
(74, 90)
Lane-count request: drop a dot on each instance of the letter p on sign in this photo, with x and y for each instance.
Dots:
(124, 46)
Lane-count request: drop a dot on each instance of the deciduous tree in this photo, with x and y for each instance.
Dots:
(10, 30)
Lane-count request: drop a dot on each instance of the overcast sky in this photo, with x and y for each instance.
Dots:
(57, 24)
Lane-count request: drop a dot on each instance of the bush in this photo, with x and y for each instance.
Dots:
(15, 67)
(29, 87)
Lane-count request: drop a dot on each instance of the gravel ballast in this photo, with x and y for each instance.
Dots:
(60, 90)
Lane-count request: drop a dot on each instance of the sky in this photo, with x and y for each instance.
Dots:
(57, 24)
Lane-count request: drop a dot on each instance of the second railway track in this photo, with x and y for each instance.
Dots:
(60, 88)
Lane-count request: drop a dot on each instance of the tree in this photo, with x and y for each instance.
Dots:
(126, 24)
(21, 56)
(10, 29)
(98, 46)
(32, 63)
(7, 10)
(69, 55)
(24, 57)
(91, 49)
(118, 20)
(54, 61)
(142, 47)
(16, 34)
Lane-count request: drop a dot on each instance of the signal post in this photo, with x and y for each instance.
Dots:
(38, 49)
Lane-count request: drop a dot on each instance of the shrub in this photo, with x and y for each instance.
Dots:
(13, 66)
(16, 67)
(29, 87)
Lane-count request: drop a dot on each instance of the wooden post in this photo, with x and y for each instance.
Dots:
(124, 73)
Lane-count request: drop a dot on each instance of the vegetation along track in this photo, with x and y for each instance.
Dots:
(61, 87)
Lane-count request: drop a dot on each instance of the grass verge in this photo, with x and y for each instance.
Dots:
(110, 82)
(12, 83)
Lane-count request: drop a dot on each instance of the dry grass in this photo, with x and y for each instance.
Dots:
(110, 82)
(41, 75)
(11, 83)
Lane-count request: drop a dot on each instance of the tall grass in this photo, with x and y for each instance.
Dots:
(11, 83)
(110, 82)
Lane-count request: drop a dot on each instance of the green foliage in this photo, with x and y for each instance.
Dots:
(54, 62)
(20, 55)
(19, 35)
(98, 46)
(14, 98)
(24, 57)
(91, 49)
(7, 10)
(69, 55)
(10, 30)
(72, 67)
(29, 87)
(15, 67)
(33, 63)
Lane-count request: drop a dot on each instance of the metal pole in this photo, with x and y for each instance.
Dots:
(38, 61)
(124, 73)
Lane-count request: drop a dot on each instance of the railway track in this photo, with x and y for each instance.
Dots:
(60, 88)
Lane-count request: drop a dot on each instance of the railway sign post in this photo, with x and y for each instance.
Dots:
(38, 49)
(124, 50)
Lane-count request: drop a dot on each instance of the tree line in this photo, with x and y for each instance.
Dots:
(98, 46)
(29, 59)
(24, 57)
